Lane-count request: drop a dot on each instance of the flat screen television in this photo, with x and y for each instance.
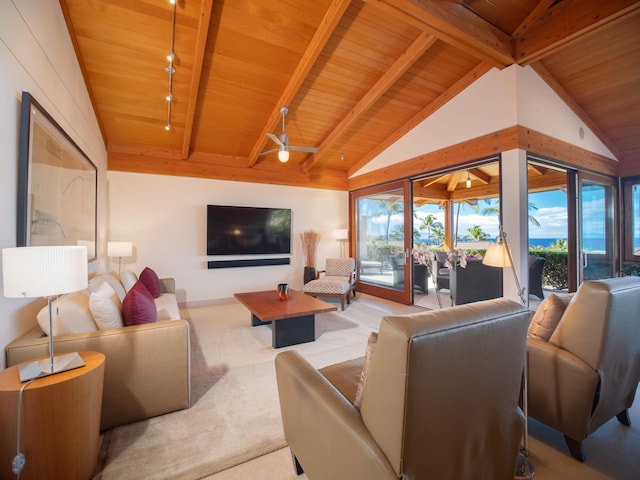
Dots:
(248, 230)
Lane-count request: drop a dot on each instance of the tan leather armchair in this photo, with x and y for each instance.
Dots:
(440, 399)
(588, 371)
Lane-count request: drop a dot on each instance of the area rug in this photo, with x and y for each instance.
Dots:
(235, 412)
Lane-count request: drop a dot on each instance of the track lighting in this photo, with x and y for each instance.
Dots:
(170, 69)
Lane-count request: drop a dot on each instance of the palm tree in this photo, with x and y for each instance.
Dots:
(492, 209)
(461, 206)
(428, 223)
(390, 208)
(477, 234)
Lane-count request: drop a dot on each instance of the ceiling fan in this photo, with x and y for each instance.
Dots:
(282, 141)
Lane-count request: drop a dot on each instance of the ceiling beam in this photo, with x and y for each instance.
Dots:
(534, 16)
(316, 46)
(204, 18)
(457, 26)
(566, 22)
(480, 175)
(388, 79)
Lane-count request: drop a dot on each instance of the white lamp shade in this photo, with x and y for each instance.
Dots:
(119, 249)
(43, 271)
(341, 234)
(497, 255)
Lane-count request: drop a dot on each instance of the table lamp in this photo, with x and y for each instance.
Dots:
(29, 272)
(498, 254)
(119, 249)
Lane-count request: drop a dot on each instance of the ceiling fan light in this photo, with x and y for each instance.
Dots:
(283, 155)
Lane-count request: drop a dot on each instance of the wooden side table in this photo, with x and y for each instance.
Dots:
(60, 421)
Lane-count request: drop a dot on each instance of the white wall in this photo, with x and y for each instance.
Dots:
(165, 218)
(499, 99)
(36, 55)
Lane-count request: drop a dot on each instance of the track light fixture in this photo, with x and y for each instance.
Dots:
(170, 69)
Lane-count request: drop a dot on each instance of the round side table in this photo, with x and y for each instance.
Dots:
(60, 421)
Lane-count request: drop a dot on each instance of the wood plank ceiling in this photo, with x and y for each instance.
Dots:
(355, 75)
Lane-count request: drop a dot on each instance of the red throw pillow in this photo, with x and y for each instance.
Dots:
(150, 280)
(138, 306)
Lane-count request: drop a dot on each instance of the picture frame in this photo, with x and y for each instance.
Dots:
(57, 184)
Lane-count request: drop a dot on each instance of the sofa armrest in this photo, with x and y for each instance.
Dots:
(320, 423)
(147, 367)
(168, 285)
(557, 378)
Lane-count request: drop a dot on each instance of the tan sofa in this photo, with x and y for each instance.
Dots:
(588, 370)
(440, 399)
(147, 367)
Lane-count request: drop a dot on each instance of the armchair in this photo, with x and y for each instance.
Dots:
(440, 399)
(338, 281)
(588, 370)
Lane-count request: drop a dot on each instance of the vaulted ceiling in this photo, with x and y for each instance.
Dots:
(355, 76)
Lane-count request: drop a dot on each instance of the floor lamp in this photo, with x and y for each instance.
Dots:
(119, 249)
(30, 272)
(498, 254)
(342, 236)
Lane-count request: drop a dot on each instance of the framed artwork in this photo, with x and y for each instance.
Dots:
(57, 184)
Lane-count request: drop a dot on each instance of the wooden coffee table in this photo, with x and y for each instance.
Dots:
(293, 319)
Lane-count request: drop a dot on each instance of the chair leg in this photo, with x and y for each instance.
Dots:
(575, 447)
(296, 465)
(623, 417)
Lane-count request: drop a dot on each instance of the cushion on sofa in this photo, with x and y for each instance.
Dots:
(167, 307)
(150, 280)
(111, 279)
(128, 279)
(71, 314)
(549, 313)
(105, 306)
(138, 306)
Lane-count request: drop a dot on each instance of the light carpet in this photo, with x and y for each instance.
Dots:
(235, 412)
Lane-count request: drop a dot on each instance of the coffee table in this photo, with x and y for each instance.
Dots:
(293, 320)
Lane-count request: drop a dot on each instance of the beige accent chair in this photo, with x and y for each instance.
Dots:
(338, 281)
(588, 371)
(440, 399)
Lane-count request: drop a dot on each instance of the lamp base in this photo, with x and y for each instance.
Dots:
(42, 368)
(524, 468)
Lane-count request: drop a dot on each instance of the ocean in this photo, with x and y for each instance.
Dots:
(589, 244)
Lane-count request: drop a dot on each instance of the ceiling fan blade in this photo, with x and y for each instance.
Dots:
(267, 152)
(304, 149)
(276, 139)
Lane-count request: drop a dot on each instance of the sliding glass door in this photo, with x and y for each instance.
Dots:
(382, 219)
(597, 233)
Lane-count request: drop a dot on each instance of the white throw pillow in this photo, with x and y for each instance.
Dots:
(106, 307)
(70, 315)
(129, 279)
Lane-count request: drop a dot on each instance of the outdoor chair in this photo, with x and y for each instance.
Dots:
(338, 281)
(536, 266)
(440, 276)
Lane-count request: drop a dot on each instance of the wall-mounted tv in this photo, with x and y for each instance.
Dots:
(248, 230)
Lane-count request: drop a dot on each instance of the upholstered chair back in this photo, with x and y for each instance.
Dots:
(442, 389)
(340, 267)
(601, 326)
